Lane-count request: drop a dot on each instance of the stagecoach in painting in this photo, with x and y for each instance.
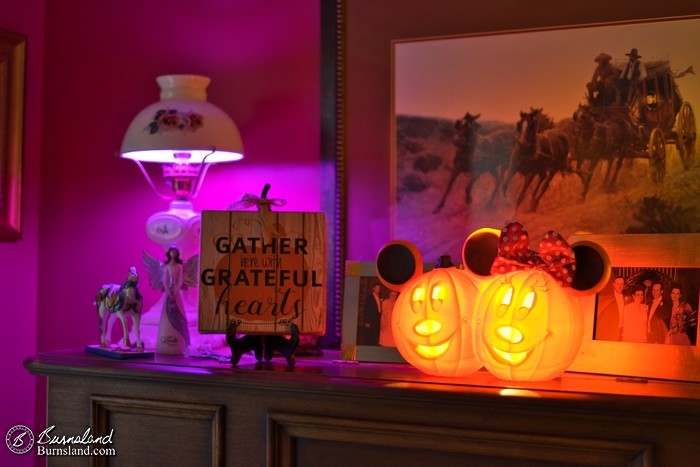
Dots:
(655, 116)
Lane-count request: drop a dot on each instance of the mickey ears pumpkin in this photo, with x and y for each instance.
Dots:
(592, 262)
(479, 251)
(398, 262)
(592, 267)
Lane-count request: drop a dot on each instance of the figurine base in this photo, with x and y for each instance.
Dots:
(262, 346)
(120, 352)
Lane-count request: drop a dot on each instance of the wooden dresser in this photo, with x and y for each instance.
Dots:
(188, 412)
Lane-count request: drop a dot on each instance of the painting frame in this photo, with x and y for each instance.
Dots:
(629, 359)
(355, 85)
(357, 272)
(12, 82)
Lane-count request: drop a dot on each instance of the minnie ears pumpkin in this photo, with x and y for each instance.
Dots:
(584, 265)
(555, 257)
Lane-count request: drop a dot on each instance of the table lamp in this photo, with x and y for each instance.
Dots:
(185, 134)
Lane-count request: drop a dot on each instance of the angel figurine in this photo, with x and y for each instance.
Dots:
(172, 277)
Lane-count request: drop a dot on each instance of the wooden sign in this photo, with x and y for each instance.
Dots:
(262, 270)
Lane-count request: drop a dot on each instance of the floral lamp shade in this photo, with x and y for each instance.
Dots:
(182, 127)
(184, 133)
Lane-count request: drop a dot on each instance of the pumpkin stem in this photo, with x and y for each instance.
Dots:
(445, 261)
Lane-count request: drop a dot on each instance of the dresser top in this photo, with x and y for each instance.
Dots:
(329, 373)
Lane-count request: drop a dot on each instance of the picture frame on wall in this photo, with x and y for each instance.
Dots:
(477, 143)
(368, 304)
(12, 77)
(651, 343)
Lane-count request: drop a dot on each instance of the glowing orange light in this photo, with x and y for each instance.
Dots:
(428, 327)
(510, 334)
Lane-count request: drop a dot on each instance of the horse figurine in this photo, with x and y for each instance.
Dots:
(120, 300)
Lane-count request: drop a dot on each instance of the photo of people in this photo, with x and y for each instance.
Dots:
(649, 305)
(376, 303)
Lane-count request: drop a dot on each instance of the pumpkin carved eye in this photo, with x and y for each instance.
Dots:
(528, 303)
(505, 302)
(437, 296)
(508, 296)
(417, 298)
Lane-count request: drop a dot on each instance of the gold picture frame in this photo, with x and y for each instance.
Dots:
(12, 75)
(631, 359)
(359, 279)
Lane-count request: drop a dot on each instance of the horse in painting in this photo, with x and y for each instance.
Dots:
(537, 154)
(598, 138)
(477, 154)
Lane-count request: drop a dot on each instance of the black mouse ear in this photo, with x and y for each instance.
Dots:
(592, 268)
(397, 263)
(479, 251)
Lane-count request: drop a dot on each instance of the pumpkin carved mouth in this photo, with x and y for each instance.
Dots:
(509, 358)
(427, 329)
(432, 351)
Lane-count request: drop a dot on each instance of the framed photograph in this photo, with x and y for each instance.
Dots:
(540, 125)
(12, 69)
(644, 323)
(367, 334)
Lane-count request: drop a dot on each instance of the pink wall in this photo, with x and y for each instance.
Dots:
(19, 260)
(85, 209)
(101, 63)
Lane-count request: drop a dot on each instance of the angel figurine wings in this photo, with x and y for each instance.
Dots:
(172, 277)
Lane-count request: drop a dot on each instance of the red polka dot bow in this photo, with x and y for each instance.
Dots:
(555, 257)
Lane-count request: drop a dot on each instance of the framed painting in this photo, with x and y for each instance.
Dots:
(367, 334)
(547, 126)
(12, 69)
(643, 324)
(359, 124)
